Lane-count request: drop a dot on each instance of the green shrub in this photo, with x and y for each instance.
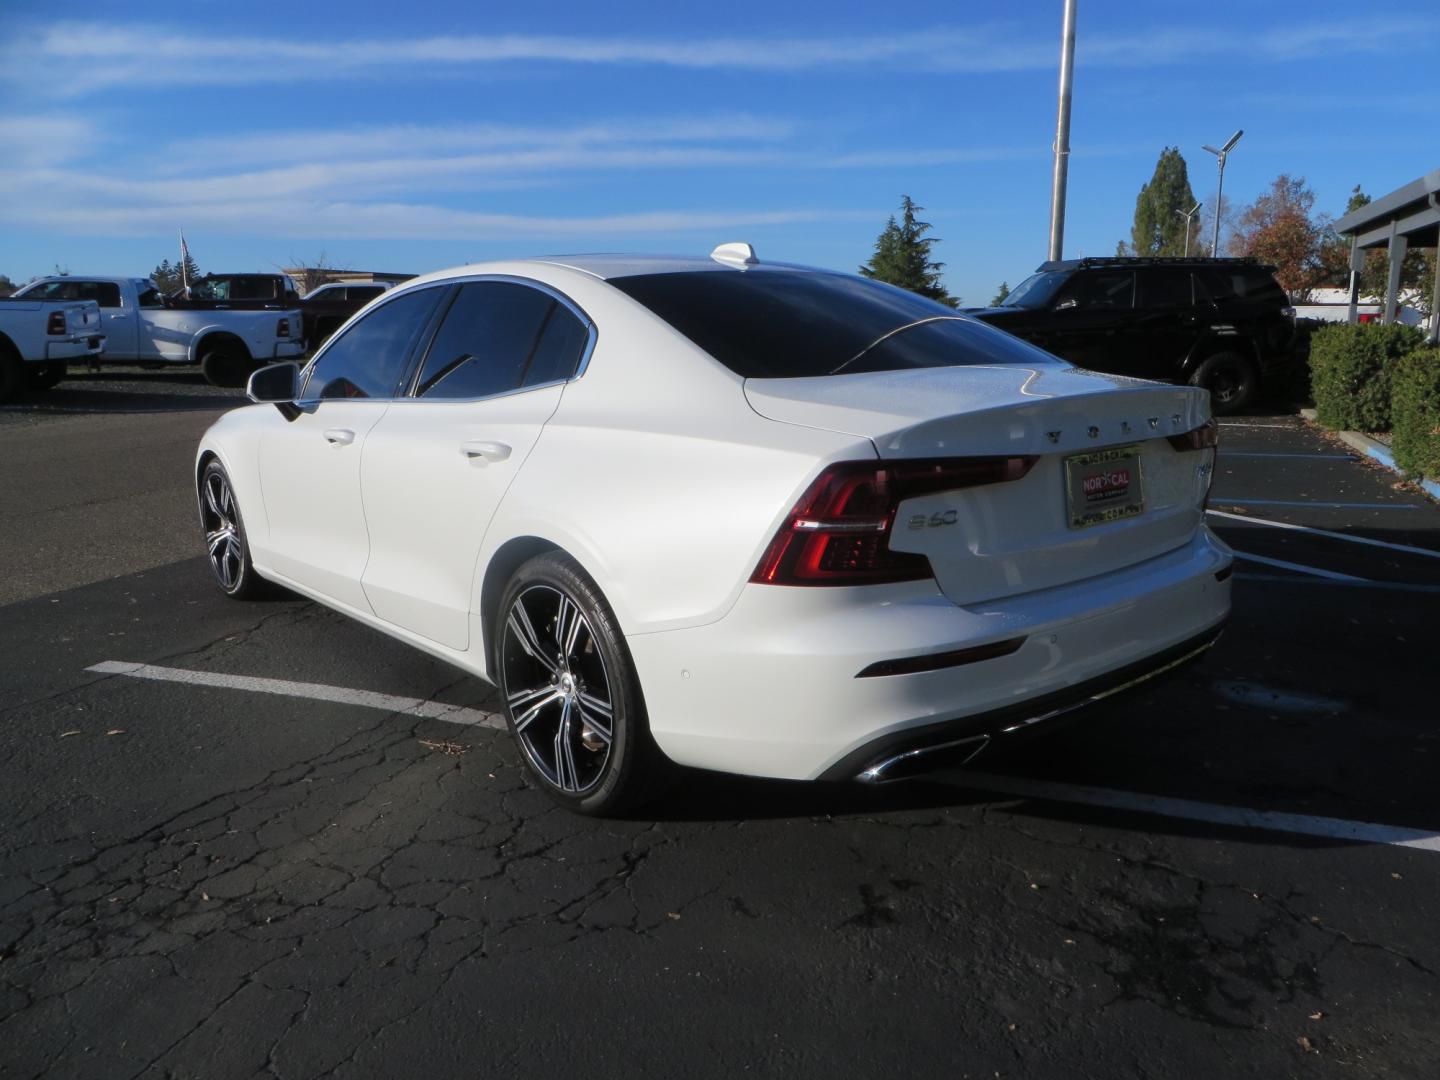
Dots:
(1350, 370)
(1415, 403)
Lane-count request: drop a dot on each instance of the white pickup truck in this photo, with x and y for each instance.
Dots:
(37, 337)
(141, 328)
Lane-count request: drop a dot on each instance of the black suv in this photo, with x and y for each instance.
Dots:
(1224, 324)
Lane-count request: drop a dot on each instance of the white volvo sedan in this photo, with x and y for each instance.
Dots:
(757, 518)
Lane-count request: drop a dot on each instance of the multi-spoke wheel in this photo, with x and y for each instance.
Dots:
(570, 690)
(225, 544)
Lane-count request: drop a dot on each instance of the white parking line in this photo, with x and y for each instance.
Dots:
(1015, 786)
(1248, 424)
(1279, 454)
(1298, 568)
(1216, 814)
(1326, 532)
(435, 710)
(1310, 504)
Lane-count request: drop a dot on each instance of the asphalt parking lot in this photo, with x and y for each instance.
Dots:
(260, 840)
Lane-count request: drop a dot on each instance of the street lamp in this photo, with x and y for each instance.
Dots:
(1219, 202)
(1188, 215)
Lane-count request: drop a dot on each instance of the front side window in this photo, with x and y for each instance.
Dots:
(368, 359)
(149, 296)
(499, 336)
(1102, 290)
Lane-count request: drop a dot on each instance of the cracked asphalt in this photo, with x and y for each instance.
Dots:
(204, 882)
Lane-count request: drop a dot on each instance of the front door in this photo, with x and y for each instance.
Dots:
(310, 465)
(441, 459)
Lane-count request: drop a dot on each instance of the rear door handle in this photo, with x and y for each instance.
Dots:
(490, 451)
(340, 436)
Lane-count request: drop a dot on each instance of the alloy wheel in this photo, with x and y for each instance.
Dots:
(557, 689)
(223, 539)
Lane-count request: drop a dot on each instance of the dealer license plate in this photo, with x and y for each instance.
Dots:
(1103, 485)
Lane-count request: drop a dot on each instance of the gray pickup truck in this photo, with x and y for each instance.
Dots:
(38, 337)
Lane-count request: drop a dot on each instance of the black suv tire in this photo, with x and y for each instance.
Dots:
(1233, 382)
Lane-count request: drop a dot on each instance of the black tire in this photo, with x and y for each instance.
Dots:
(1233, 382)
(223, 530)
(564, 672)
(226, 364)
(45, 376)
(13, 377)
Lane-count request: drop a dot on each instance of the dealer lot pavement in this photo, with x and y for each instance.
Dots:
(201, 880)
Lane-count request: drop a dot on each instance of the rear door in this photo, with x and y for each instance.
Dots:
(1165, 326)
(310, 465)
(441, 459)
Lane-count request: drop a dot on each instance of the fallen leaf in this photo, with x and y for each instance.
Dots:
(204, 895)
(1069, 941)
(1307, 1045)
(445, 746)
(1395, 876)
(1034, 885)
(674, 915)
(116, 731)
(67, 734)
(1011, 1027)
(1317, 1016)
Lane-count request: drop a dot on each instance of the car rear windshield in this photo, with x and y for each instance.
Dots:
(798, 324)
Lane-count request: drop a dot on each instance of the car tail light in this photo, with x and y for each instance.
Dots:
(56, 325)
(1368, 317)
(282, 328)
(839, 531)
(1204, 437)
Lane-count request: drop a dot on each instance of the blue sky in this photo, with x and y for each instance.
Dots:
(413, 136)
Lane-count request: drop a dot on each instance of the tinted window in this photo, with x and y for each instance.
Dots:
(786, 324)
(1037, 290)
(149, 296)
(1249, 283)
(1165, 289)
(363, 292)
(1103, 289)
(105, 293)
(368, 359)
(498, 336)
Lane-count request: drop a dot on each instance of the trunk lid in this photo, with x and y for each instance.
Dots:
(1013, 537)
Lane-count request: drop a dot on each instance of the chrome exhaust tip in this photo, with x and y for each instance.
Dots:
(923, 759)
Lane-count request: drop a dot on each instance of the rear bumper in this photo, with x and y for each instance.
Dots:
(75, 346)
(288, 350)
(771, 689)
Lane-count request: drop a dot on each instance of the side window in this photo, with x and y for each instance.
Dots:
(557, 353)
(363, 292)
(491, 339)
(53, 290)
(108, 294)
(368, 359)
(1104, 289)
(1165, 289)
(1217, 286)
(149, 295)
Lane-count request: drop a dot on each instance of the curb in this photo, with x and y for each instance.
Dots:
(1378, 451)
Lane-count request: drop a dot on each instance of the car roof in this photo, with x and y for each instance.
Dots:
(607, 266)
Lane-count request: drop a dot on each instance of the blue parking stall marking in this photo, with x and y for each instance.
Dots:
(1315, 571)
(1360, 583)
(1309, 504)
(1282, 454)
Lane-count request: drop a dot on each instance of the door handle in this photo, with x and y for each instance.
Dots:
(340, 436)
(490, 451)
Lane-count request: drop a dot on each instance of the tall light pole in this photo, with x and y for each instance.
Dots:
(1220, 156)
(1188, 215)
(1062, 133)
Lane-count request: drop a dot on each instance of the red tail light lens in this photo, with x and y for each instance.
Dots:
(282, 328)
(839, 531)
(56, 323)
(1204, 437)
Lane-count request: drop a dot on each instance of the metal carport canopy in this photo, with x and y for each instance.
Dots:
(1407, 217)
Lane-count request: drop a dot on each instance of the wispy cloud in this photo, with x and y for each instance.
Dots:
(76, 59)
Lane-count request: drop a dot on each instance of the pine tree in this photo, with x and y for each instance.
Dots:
(1159, 229)
(1000, 294)
(168, 278)
(902, 256)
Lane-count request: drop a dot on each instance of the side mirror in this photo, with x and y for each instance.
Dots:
(1066, 305)
(275, 384)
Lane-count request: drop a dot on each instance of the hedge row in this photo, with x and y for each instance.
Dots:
(1350, 373)
(1415, 409)
(1381, 378)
